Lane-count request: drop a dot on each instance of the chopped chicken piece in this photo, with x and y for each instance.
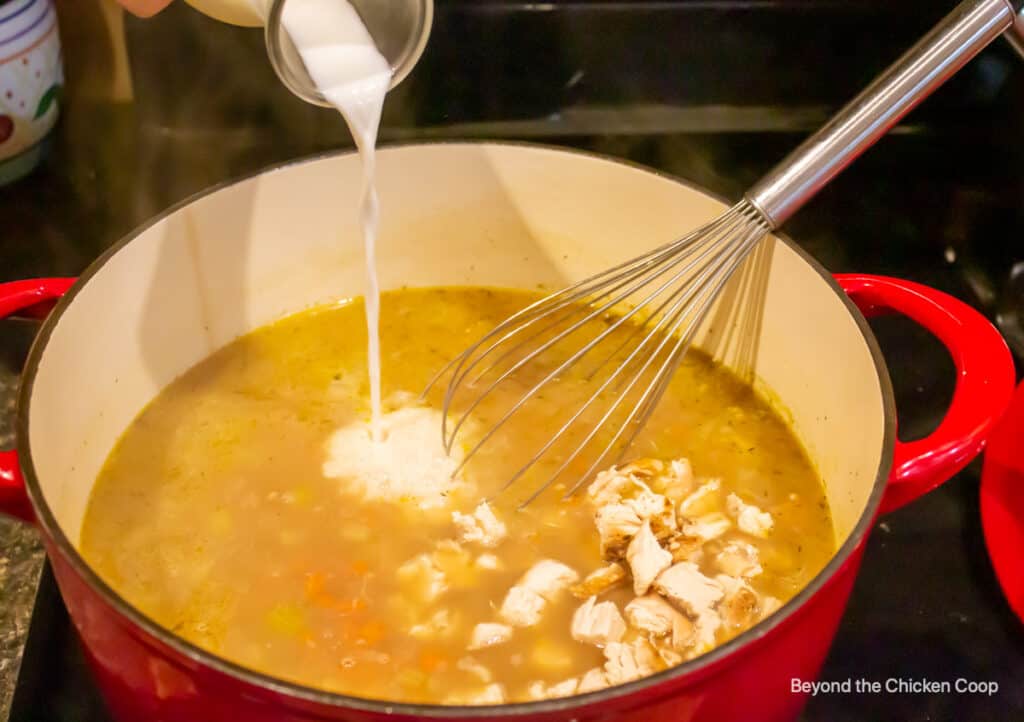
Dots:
(449, 548)
(686, 548)
(679, 481)
(598, 624)
(657, 509)
(439, 626)
(649, 516)
(592, 681)
(428, 581)
(563, 689)
(473, 667)
(525, 601)
(708, 527)
(706, 628)
(548, 578)
(657, 618)
(730, 584)
(481, 527)
(455, 562)
(491, 694)
(684, 585)
(489, 634)
(616, 524)
(522, 607)
(739, 608)
(646, 503)
(674, 480)
(683, 633)
(770, 605)
(652, 615)
(682, 469)
(749, 518)
(599, 581)
(698, 596)
(627, 662)
(701, 501)
(539, 690)
(646, 559)
(644, 469)
(489, 562)
(607, 488)
(670, 657)
(739, 559)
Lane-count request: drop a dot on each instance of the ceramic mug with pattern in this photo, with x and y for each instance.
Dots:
(31, 78)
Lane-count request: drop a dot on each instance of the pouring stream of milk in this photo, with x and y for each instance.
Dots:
(350, 71)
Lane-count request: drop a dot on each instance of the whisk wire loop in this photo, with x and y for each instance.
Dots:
(658, 300)
(668, 264)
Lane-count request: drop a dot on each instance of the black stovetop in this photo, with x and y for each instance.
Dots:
(721, 92)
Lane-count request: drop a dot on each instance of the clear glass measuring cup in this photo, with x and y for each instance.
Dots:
(399, 29)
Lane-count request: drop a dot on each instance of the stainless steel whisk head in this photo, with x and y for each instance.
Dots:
(623, 332)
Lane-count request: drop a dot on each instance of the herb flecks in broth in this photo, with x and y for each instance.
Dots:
(215, 517)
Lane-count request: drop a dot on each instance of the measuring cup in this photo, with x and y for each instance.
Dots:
(399, 29)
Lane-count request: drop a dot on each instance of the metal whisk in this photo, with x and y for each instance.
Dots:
(619, 336)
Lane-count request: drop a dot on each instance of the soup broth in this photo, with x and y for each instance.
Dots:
(215, 515)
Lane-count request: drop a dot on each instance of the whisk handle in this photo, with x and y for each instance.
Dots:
(971, 26)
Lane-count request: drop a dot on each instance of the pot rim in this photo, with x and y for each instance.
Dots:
(698, 666)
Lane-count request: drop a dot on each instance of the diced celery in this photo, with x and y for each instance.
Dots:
(286, 619)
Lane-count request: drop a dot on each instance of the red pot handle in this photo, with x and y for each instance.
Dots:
(32, 299)
(984, 381)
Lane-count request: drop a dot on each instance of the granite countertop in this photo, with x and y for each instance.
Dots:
(939, 201)
(21, 568)
(21, 552)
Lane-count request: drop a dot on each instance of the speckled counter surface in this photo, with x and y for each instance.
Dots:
(938, 202)
(21, 566)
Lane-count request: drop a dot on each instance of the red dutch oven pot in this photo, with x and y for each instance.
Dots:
(240, 256)
(1002, 502)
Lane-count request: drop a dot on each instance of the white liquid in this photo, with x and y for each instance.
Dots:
(409, 464)
(351, 73)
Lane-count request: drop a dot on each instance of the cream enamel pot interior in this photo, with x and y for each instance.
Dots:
(241, 256)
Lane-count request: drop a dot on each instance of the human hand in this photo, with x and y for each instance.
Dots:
(144, 8)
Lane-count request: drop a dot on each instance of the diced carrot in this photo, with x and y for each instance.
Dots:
(317, 595)
(430, 661)
(372, 632)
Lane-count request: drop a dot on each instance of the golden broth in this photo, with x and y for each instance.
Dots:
(213, 516)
